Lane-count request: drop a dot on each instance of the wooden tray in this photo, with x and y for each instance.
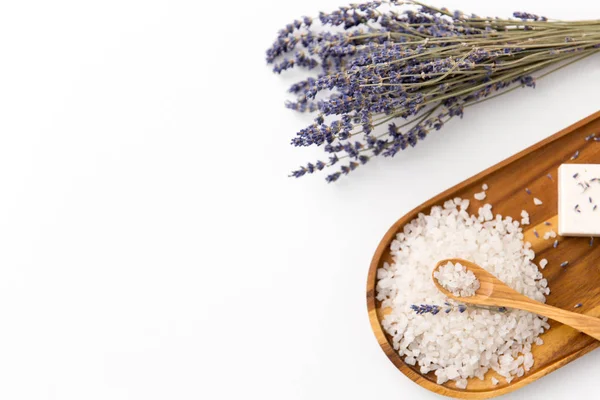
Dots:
(578, 283)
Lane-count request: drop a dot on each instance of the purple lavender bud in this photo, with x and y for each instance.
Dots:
(332, 177)
(527, 16)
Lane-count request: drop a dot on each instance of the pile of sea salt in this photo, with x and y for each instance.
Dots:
(460, 345)
(457, 279)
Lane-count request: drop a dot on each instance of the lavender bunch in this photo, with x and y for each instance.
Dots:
(391, 72)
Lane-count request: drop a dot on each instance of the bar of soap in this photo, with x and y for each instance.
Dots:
(579, 200)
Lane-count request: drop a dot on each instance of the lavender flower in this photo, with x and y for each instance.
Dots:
(575, 156)
(388, 77)
(526, 16)
(425, 309)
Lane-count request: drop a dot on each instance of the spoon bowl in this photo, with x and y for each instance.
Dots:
(491, 289)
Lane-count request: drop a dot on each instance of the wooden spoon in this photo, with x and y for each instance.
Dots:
(493, 292)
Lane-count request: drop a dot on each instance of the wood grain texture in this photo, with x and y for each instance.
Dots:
(577, 283)
(494, 292)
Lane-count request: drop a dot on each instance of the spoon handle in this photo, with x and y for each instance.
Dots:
(581, 322)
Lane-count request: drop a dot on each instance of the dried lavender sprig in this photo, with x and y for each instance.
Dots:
(447, 308)
(413, 62)
(426, 309)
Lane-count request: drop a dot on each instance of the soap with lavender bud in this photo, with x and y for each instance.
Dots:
(578, 187)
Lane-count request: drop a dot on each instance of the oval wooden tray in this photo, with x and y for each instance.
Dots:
(578, 283)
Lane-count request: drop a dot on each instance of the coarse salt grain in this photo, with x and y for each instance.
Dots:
(537, 201)
(479, 196)
(543, 263)
(447, 343)
(524, 218)
(484, 186)
(549, 234)
(495, 381)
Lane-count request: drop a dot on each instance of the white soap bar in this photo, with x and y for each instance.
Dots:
(578, 196)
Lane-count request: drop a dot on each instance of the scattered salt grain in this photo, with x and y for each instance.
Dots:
(524, 218)
(484, 186)
(457, 279)
(527, 362)
(495, 381)
(479, 196)
(461, 383)
(543, 263)
(537, 201)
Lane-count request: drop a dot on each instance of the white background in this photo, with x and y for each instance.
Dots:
(151, 244)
